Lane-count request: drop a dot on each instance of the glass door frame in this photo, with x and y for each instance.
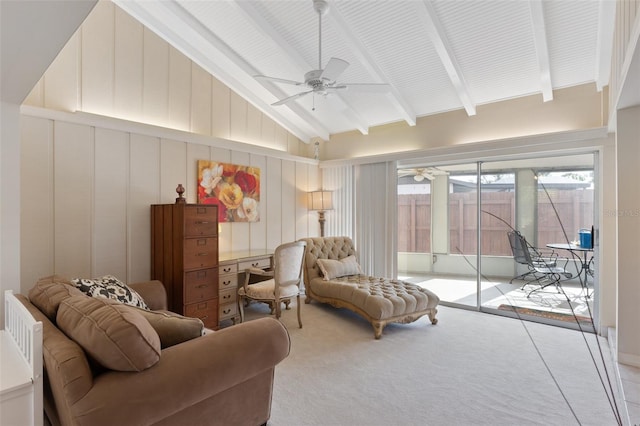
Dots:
(479, 230)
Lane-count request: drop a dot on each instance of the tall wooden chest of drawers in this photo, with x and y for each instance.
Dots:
(184, 256)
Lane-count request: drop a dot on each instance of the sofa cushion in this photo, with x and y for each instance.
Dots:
(265, 290)
(331, 268)
(115, 336)
(110, 287)
(172, 328)
(49, 291)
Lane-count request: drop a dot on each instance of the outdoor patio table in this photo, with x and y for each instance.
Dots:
(575, 250)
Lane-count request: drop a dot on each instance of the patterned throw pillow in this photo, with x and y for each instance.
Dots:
(109, 287)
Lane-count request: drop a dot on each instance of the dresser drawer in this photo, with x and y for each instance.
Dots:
(200, 253)
(228, 282)
(200, 285)
(228, 296)
(263, 263)
(200, 221)
(229, 268)
(207, 311)
(229, 310)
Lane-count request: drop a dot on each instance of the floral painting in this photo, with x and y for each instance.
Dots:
(234, 189)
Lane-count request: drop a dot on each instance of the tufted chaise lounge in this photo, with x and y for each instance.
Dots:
(379, 300)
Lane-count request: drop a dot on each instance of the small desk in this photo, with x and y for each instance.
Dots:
(584, 260)
(231, 274)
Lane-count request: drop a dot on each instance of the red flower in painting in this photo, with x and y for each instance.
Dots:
(247, 182)
(228, 170)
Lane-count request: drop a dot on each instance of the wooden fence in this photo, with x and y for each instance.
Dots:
(574, 208)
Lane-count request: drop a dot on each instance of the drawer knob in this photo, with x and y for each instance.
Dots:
(204, 317)
(202, 254)
(202, 222)
(202, 286)
(226, 311)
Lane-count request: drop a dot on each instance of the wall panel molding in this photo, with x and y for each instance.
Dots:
(97, 177)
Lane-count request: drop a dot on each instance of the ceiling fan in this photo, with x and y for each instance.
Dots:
(323, 81)
(420, 174)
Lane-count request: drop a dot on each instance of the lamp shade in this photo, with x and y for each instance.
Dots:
(320, 200)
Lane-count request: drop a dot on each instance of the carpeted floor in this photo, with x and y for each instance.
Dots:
(469, 369)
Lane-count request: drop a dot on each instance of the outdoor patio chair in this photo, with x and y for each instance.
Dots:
(543, 266)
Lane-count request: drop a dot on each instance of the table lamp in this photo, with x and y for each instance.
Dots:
(320, 201)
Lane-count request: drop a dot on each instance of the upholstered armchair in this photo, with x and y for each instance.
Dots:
(285, 284)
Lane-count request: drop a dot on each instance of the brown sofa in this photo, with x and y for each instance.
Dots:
(333, 275)
(220, 378)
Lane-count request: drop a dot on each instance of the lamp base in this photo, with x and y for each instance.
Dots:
(321, 219)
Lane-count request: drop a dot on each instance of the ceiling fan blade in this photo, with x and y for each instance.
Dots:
(291, 98)
(278, 80)
(334, 68)
(367, 87)
(338, 87)
(407, 172)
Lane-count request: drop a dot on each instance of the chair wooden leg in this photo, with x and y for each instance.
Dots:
(299, 318)
(241, 307)
(277, 308)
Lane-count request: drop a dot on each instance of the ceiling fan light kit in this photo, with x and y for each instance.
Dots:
(322, 81)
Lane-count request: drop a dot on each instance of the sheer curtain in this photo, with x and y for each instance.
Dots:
(376, 224)
(365, 205)
(340, 220)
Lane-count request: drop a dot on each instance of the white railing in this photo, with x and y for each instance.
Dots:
(26, 334)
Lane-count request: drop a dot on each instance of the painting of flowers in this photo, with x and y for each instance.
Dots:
(234, 189)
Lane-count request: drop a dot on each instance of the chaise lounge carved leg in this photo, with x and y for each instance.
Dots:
(377, 329)
(432, 316)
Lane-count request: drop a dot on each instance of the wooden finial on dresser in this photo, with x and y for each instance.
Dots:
(180, 191)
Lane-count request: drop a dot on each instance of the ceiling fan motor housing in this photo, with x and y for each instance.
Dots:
(314, 80)
(320, 6)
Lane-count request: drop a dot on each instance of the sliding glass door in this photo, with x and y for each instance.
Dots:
(454, 223)
(437, 230)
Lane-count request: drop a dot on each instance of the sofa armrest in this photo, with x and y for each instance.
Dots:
(153, 293)
(186, 374)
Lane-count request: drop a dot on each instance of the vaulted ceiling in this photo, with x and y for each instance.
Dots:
(434, 56)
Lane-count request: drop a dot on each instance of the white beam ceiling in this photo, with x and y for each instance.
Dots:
(268, 31)
(605, 43)
(361, 52)
(437, 35)
(540, 39)
(483, 51)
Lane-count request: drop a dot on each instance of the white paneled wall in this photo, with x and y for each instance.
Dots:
(73, 192)
(92, 179)
(115, 66)
(86, 191)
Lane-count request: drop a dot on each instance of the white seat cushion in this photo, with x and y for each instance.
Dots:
(265, 290)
